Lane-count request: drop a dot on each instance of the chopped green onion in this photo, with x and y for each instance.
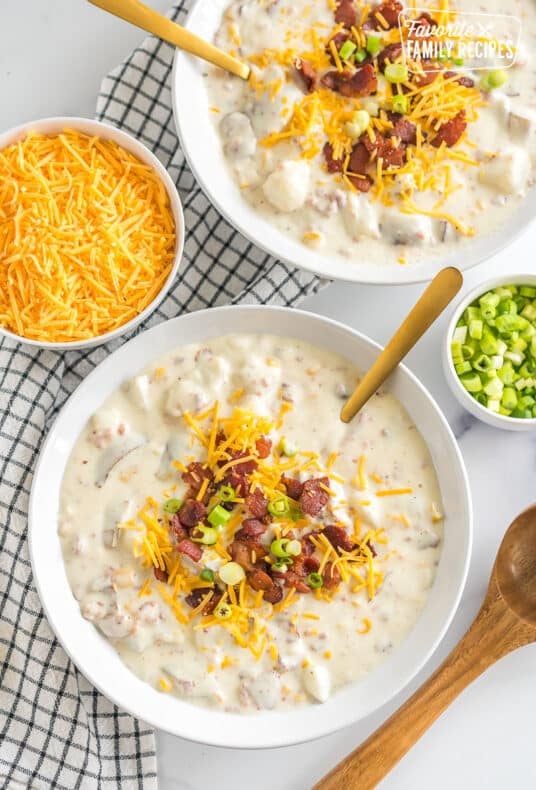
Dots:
(509, 398)
(458, 61)
(361, 55)
(218, 516)
(528, 290)
(374, 44)
(226, 493)
(294, 548)
(207, 575)
(460, 334)
(315, 581)
(396, 72)
(287, 448)
(223, 611)
(172, 506)
(231, 573)
(281, 566)
(399, 103)
(279, 507)
(279, 547)
(475, 328)
(347, 50)
(493, 79)
(205, 535)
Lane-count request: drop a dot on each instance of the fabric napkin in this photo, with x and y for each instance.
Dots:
(56, 730)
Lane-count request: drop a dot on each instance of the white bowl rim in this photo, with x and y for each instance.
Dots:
(225, 737)
(132, 144)
(464, 397)
(185, 77)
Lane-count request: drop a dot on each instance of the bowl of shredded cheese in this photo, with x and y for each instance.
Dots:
(91, 233)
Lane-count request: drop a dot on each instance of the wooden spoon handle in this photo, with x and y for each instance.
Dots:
(150, 20)
(494, 633)
(433, 301)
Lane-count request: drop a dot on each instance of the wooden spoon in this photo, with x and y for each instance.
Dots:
(433, 301)
(142, 16)
(506, 621)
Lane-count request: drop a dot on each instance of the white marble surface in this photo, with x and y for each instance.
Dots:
(52, 55)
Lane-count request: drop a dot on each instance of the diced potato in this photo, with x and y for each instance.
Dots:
(521, 124)
(406, 228)
(507, 172)
(317, 682)
(360, 218)
(239, 138)
(138, 392)
(287, 186)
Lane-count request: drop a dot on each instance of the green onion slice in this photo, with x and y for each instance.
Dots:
(172, 506)
(315, 581)
(218, 516)
(205, 535)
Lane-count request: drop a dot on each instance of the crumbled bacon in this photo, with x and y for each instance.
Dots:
(195, 473)
(291, 579)
(346, 13)
(257, 503)
(196, 596)
(293, 486)
(313, 497)
(338, 39)
(359, 158)
(246, 553)
(386, 148)
(425, 21)
(451, 131)
(359, 83)
(467, 82)
(338, 537)
(389, 10)
(404, 130)
(430, 72)
(161, 575)
(244, 468)
(260, 580)
(190, 549)
(177, 530)
(263, 447)
(191, 513)
(251, 529)
(307, 73)
(333, 165)
(391, 53)
(331, 576)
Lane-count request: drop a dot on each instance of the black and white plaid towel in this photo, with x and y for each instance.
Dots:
(56, 731)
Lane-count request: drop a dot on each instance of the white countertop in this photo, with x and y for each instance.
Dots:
(52, 57)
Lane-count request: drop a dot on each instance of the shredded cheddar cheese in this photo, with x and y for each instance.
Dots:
(87, 237)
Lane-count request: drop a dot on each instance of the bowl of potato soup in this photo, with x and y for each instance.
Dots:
(342, 155)
(214, 547)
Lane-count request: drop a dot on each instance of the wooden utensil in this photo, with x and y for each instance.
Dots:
(506, 621)
(433, 301)
(142, 16)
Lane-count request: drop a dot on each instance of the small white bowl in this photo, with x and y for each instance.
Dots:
(457, 388)
(129, 143)
(95, 656)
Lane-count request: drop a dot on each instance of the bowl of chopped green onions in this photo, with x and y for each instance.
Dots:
(489, 356)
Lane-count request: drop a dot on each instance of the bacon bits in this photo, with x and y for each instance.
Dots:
(391, 53)
(257, 503)
(313, 497)
(191, 513)
(246, 552)
(451, 131)
(263, 447)
(177, 530)
(190, 549)
(307, 74)
(404, 130)
(260, 580)
(339, 538)
(196, 596)
(251, 529)
(331, 576)
(388, 11)
(333, 165)
(359, 83)
(194, 476)
(346, 13)
(293, 486)
(160, 575)
(467, 82)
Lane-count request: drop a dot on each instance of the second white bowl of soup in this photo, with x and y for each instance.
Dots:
(221, 546)
(344, 167)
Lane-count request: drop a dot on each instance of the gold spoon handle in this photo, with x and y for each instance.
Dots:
(494, 633)
(436, 297)
(147, 19)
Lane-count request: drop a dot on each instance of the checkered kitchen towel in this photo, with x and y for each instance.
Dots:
(56, 731)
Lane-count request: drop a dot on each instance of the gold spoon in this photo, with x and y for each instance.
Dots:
(433, 301)
(142, 16)
(506, 621)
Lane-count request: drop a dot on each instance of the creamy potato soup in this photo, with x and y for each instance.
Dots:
(340, 145)
(237, 544)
